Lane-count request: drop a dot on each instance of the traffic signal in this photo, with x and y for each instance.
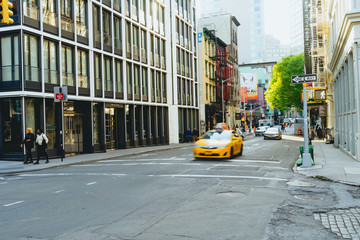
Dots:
(6, 12)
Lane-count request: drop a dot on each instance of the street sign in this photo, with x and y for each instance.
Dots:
(303, 78)
(237, 116)
(320, 94)
(60, 94)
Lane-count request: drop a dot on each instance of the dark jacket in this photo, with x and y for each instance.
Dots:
(29, 144)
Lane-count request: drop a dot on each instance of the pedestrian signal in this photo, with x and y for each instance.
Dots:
(6, 12)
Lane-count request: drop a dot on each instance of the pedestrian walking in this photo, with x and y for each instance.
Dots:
(319, 132)
(41, 142)
(29, 144)
(195, 135)
(188, 135)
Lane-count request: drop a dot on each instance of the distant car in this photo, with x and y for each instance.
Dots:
(218, 144)
(286, 120)
(272, 133)
(260, 130)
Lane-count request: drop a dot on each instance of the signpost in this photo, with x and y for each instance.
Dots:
(60, 95)
(304, 79)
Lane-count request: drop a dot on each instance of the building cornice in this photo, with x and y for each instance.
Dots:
(350, 19)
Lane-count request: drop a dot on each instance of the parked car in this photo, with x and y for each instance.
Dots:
(218, 144)
(260, 130)
(272, 133)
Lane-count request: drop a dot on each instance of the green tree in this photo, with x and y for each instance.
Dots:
(281, 94)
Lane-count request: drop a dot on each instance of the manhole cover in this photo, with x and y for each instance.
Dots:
(309, 197)
(297, 183)
(230, 194)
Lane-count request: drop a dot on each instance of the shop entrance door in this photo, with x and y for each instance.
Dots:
(73, 133)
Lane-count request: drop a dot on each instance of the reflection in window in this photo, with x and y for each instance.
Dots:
(51, 74)
(67, 55)
(49, 12)
(129, 79)
(117, 33)
(107, 28)
(96, 24)
(118, 77)
(81, 18)
(137, 79)
(108, 85)
(144, 81)
(31, 58)
(97, 72)
(66, 15)
(31, 9)
(10, 59)
(83, 80)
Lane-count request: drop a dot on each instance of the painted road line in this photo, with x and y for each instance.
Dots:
(221, 176)
(92, 183)
(255, 161)
(14, 203)
(72, 174)
(59, 191)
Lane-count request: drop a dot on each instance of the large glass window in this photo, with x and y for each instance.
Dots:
(128, 39)
(164, 86)
(31, 58)
(136, 43)
(49, 12)
(11, 115)
(127, 8)
(97, 73)
(51, 73)
(135, 13)
(152, 80)
(117, 5)
(143, 46)
(158, 85)
(31, 9)
(107, 28)
(142, 11)
(108, 84)
(129, 80)
(117, 33)
(144, 81)
(50, 123)
(81, 18)
(10, 59)
(67, 55)
(66, 15)
(83, 79)
(137, 79)
(118, 77)
(96, 26)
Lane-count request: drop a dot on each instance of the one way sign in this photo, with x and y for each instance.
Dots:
(303, 78)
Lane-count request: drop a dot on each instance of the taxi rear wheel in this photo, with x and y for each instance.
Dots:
(241, 150)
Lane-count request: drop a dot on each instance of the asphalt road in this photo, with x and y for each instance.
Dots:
(170, 195)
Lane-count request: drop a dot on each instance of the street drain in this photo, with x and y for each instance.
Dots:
(230, 194)
(308, 197)
(297, 183)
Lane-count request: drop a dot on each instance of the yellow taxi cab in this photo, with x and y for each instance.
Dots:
(218, 143)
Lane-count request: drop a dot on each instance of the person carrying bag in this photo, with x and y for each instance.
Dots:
(29, 144)
(41, 144)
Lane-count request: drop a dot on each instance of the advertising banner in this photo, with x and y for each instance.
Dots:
(249, 80)
(244, 96)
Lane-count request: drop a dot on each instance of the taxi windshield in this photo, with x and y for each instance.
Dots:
(218, 135)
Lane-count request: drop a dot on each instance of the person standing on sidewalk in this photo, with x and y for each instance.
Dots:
(41, 142)
(29, 144)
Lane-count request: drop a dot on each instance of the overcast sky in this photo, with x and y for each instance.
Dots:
(276, 15)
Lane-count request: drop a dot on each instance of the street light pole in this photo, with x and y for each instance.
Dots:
(222, 97)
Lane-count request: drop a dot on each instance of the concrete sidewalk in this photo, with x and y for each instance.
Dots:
(332, 163)
(12, 167)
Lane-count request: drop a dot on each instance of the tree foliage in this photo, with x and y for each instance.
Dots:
(281, 94)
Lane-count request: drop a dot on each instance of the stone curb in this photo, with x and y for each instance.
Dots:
(320, 176)
(94, 160)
